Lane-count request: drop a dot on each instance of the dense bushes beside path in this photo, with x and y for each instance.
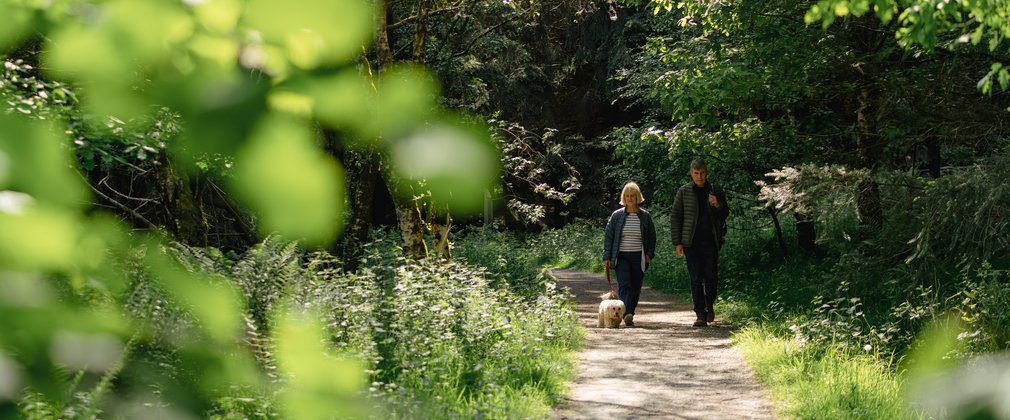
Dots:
(437, 340)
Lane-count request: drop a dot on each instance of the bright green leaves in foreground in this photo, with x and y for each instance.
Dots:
(13, 23)
(247, 81)
(115, 50)
(452, 160)
(321, 386)
(293, 186)
(37, 188)
(33, 161)
(313, 32)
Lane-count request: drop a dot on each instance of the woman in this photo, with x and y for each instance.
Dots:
(629, 244)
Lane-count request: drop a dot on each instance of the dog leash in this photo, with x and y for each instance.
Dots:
(609, 282)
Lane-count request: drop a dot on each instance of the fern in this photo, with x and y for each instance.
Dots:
(264, 274)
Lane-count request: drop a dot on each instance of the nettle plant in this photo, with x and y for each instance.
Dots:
(97, 142)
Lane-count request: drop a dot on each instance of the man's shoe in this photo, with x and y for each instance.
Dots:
(700, 322)
(710, 315)
(629, 320)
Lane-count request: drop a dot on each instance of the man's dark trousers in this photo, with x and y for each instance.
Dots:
(702, 263)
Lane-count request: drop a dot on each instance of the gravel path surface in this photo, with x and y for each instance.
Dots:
(661, 368)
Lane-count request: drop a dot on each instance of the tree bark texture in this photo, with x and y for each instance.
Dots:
(407, 216)
(182, 206)
(421, 30)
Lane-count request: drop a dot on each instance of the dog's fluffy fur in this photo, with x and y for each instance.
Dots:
(611, 311)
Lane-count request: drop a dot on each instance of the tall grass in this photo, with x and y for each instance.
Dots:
(822, 382)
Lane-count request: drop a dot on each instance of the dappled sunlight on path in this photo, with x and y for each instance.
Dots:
(662, 367)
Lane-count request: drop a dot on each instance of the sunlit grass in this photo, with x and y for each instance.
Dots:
(812, 382)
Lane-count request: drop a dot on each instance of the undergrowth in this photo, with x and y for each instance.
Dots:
(437, 339)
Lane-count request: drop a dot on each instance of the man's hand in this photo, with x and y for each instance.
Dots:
(712, 200)
(680, 251)
(648, 259)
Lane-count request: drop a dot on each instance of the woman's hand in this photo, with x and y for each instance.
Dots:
(606, 263)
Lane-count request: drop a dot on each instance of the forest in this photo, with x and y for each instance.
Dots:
(335, 208)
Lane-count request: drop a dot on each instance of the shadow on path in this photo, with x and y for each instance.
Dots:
(660, 368)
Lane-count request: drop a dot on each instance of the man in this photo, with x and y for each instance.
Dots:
(699, 215)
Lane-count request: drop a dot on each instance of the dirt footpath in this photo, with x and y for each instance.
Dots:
(662, 367)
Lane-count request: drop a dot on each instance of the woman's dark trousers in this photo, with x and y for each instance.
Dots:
(629, 279)
(702, 265)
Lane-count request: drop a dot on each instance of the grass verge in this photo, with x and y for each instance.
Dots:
(813, 382)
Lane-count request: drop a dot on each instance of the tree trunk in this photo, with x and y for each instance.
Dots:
(868, 143)
(384, 55)
(366, 173)
(184, 213)
(421, 30)
(806, 235)
(778, 233)
(408, 219)
(407, 216)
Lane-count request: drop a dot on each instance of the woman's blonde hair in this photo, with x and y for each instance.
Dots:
(632, 187)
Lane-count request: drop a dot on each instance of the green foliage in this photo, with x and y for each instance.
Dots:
(930, 24)
(516, 260)
(529, 163)
(220, 83)
(433, 339)
(986, 322)
(813, 383)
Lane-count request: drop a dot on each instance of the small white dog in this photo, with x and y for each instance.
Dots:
(611, 311)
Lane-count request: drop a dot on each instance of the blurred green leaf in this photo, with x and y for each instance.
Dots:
(109, 51)
(216, 107)
(13, 23)
(39, 238)
(218, 16)
(321, 386)
(407, 96)
(214, 302)
(101, 240)
(40, 330)
(296, 189)
(343, 101)
(315, 32)
(33, 161)
(457, 162)
(933, 349)
(220, 50)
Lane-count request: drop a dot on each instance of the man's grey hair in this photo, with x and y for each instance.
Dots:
(699, 163)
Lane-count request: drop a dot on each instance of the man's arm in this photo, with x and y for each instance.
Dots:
(677, 218)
